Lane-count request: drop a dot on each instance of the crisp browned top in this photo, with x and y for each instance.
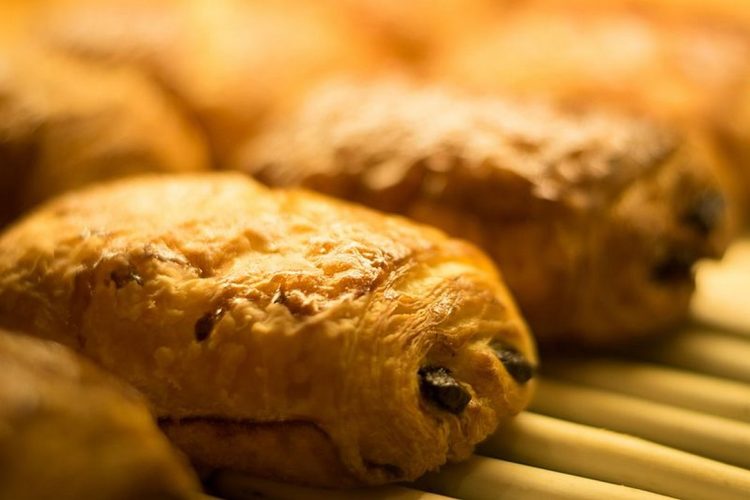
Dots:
(390, 132)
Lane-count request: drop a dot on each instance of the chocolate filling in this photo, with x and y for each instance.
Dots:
(675, 267)
(516, 363)
(205, 324)
(705, 212)
(438, 385)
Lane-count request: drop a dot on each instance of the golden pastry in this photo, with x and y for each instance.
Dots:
(229, 62)
(690, 66)
(594, 219)
(68, 431)
(277, 332)
(65, 123)
(721, 11)
(412, 31)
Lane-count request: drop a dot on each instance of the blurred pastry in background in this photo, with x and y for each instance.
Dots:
(65, 123)
(679, 65)
(69, 431)
(595, 219)
(721, 11)
(229, 62)
(277, 332)
(412, 31)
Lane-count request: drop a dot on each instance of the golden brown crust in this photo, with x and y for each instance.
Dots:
(219, 298)
(65, 123)
(565, 203)
(690, 66)
(69, 431)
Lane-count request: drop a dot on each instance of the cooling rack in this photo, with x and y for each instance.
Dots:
(666, 421)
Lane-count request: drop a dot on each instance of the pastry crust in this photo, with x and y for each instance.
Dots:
(594, 219)
(65, 123)
(684, 63)
(70, 431)
(362, 347)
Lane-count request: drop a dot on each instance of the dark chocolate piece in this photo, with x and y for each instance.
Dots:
(675, 267)
(705, 212)
(438, 385)
(205, 324)
(516, 363)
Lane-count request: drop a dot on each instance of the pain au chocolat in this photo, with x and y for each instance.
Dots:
(65, 123)
(228, 64)
(686, 61)
(70, 431)
(277, 332)
(594, 219)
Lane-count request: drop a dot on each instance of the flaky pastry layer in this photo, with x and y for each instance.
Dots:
(278, 332)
